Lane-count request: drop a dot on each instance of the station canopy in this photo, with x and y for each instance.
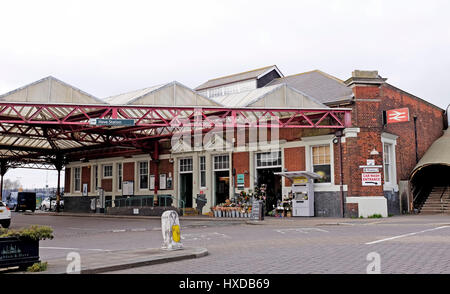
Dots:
(49, 119)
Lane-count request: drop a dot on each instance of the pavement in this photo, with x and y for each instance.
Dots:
(108, 261)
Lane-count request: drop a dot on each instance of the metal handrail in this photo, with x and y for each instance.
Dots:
(128, 201)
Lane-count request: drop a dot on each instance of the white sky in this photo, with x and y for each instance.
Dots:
(110, 47)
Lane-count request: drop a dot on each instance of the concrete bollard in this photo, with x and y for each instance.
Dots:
(171, 231)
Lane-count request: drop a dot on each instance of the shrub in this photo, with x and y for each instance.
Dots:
(38, 267)
(33, 233)
(375, 216)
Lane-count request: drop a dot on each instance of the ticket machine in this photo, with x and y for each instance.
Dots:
(302, 191)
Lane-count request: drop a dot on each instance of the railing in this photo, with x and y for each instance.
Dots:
(145, 201)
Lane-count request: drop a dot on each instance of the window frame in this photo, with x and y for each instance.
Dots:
(311, 147)
(75, 169)
(391, 141)
(119, 167)
(202, 171)
(140, 175)
(104, 176)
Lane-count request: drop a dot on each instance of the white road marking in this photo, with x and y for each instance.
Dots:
(203, 236)
(406, 235)
(301, 230)
(74, 249)
(118, 231)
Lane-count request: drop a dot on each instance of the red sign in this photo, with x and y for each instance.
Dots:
(397, 115)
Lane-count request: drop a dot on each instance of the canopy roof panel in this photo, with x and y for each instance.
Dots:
(50, 90)
(437, 154)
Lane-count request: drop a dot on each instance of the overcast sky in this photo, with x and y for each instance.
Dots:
(110, 47)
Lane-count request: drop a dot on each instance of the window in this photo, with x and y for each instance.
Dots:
(143, 175)
(202, 171)
(321, 162)
(221, 162)
(96, 178)
(119, 176)
(186, 165)
(107, 171)
(77, 179)
(268, 159)
(387, 162)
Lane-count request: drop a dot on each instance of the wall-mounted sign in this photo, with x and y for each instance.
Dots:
(162, 181)
(370, 161)
(371, 179)
(240, 181)
(115, 122)
(128, 188)
(152, 182)
(371, 169)
(397, 115)
(85, 189)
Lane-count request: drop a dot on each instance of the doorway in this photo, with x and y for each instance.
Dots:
(186, 182)
(222, 186)
(272, 182)
(186, 189)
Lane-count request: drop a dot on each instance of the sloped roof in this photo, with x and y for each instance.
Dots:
(129, 97)
(317, 84)
(172, 94)
(437, 154)
(50, 90)
(272, 96)
(251, 74)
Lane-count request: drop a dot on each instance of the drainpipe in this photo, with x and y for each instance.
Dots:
(155, 160)
(341, 173)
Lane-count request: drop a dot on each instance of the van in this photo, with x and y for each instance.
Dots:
(21, 201)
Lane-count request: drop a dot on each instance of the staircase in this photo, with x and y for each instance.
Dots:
(437, 202)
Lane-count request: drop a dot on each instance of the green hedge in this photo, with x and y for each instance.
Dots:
(33, 233)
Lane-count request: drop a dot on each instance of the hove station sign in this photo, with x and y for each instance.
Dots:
(114, 122)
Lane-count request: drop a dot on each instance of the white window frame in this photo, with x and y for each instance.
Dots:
(75, 169)
(104, 171)
(391, 140)
(202, 170)
(191, 170)
(317, 141)
(139, 175)
(96, 179)
(223, 168)
(268, 166)
(312, 160)
(119, 176)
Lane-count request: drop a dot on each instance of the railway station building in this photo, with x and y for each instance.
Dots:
(362, 135)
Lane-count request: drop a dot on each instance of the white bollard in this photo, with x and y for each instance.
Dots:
(171, 230)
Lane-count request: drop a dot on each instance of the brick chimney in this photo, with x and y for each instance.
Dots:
(365, 77)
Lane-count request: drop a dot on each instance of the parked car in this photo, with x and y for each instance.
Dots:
(5, 215)
(45, 204)
(21, 201)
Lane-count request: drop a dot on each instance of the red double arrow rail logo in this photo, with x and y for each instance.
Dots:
(397, 115)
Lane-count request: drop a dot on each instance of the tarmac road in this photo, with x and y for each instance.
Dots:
(404, 244)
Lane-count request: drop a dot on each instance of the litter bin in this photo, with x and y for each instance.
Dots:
(201, 202)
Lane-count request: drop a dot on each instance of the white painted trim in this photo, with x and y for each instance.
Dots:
(390, 139)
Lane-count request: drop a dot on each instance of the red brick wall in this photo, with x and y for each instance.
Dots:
(241, 162)
(367, 115)
(86, 177)
(128, 171)
(294, 160)
(107, 185)
(67, 174)
(164, 167)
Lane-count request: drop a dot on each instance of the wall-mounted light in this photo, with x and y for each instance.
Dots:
(374, 152)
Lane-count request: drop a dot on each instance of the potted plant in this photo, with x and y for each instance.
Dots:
(21, 247)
